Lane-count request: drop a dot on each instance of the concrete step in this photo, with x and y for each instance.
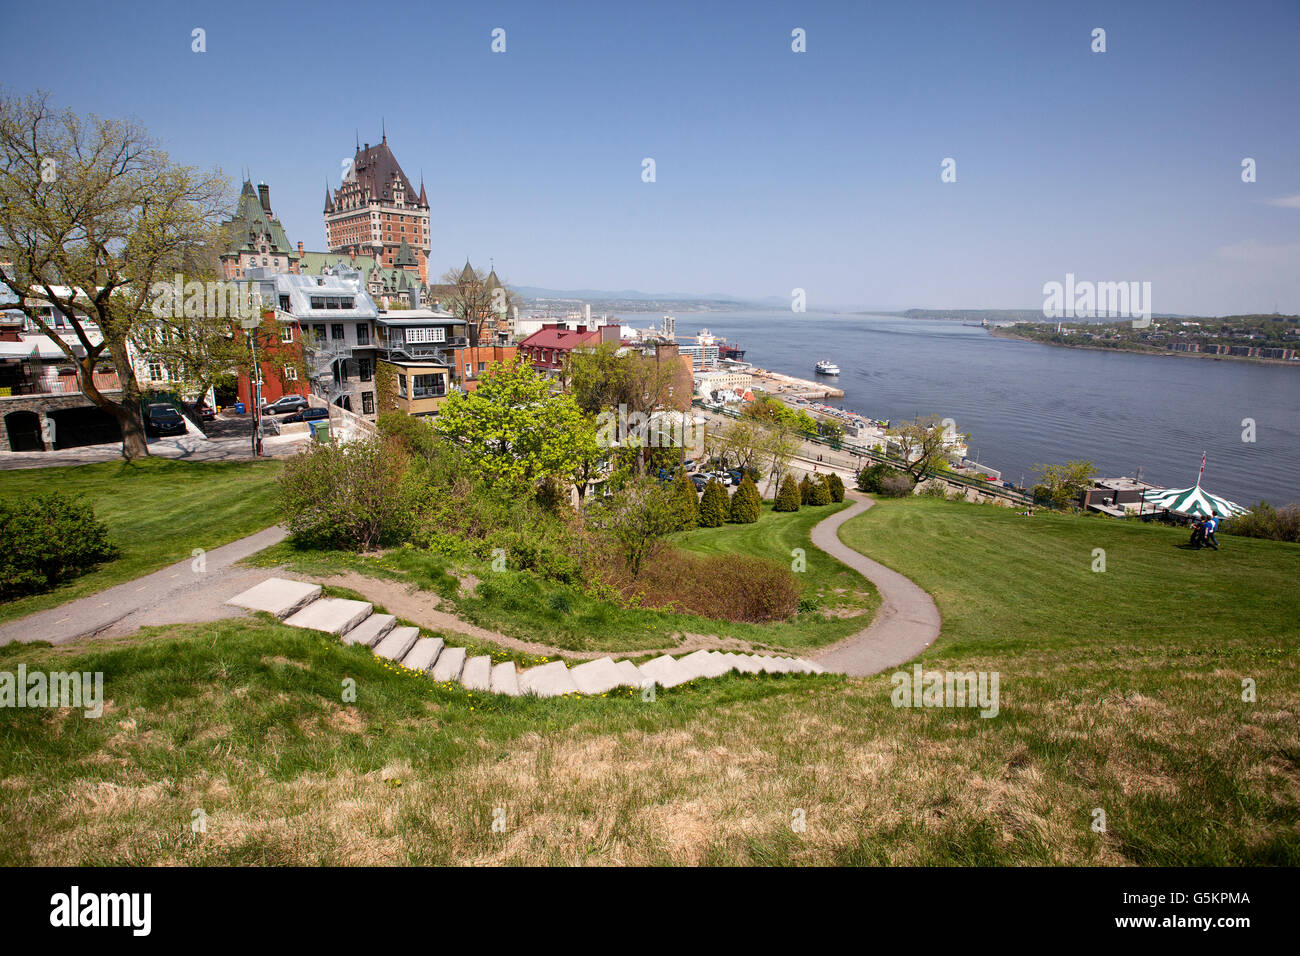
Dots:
(477, 674)
(665, 671)
(631, 674)
(278, 596)
(549, 680)
(748, 664)
(398, 643)
(597, 677)
(449, 664)
(331, 615)
(813, 666)
(370, 631)
(423, 653)
(719, 664)
(505, 679)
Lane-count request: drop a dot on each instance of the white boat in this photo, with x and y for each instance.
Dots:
(825, 367)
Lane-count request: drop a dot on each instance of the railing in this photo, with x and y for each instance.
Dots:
(62, 385)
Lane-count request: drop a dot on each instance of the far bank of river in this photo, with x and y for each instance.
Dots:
(1247, 359)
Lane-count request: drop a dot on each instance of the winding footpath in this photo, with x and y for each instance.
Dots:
(906, 623)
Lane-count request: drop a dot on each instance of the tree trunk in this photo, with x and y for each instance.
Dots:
(134, 444)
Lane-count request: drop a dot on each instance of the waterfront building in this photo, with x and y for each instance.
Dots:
(548, 348)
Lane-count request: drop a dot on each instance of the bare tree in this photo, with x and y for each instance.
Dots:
(923, 444)
(471, 297)
(92, 215)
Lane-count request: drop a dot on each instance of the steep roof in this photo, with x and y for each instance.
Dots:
(250, 223)
(405, 257)
(553, 338)
(374, 170)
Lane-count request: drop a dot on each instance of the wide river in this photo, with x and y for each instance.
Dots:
(1025, 403)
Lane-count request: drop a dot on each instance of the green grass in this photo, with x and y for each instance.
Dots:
(157, 511)
(1101, 706)
(525, 606)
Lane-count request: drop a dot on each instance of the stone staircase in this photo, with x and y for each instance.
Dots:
(300, 604)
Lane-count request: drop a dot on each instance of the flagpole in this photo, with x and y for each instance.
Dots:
(1202, 471)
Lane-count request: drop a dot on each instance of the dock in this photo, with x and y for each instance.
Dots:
(787, 386)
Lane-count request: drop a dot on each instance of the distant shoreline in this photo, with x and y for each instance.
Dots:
(1246, 359)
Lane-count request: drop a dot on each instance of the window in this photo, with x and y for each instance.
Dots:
(428, 386)
(367, 403)
(155, 371)
(290, 373)
(286, 333)
(284, 304)
(319, 332)
(482, 366)
(401, 385)
(469, 370)
(363, 369)
(363, 334)
(336, 333)
(426, 335)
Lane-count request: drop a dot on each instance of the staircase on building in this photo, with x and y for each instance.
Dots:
(300, 604)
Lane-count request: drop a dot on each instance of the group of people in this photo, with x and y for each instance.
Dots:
(1203, 532)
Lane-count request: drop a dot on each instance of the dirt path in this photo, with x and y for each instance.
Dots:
(906, 623)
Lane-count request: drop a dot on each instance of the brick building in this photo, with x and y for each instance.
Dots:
(377, 212)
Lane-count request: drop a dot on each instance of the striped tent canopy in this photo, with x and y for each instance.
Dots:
(1194, 501)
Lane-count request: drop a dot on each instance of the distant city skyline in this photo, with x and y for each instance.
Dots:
(774, 169)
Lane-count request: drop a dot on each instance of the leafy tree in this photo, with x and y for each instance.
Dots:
(92, 215)
(821, 492)
(787, 499)
(714, 505)
(686, 502)
(635, 517)
(515, 431)
(871, 479)
(1063, 484)
(805, 491)
(836, 485)
(746, 505)
(923, 442)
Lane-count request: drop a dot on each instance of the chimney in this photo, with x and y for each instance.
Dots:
(300, 250)
(264, 193)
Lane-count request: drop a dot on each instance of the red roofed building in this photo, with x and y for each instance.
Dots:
(547, 348)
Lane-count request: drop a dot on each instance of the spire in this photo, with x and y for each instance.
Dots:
(424, 200)
(383, 130)
(358, 132)
(329, 202)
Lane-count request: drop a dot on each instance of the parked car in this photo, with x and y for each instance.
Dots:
(162, 419)
(737, 475)
(201, 411)
(290, 403)
(699, 481)
(309, 415)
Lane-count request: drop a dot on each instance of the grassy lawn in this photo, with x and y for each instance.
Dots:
(525, 606)
(157, 511)
(244, 719)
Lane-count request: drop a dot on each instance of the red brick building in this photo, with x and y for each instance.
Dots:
(377, 212)
(281, 359)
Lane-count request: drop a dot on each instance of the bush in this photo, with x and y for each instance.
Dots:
(1265, 521)
(415, 435)
(805, 491)
(726, 587)
(746, 505)
(836, 486)
(48, 539)
(349, 496)
(821, 492)
(714, 505)
(686, 502)
(897, 485)
(787, 498)
(934, 489)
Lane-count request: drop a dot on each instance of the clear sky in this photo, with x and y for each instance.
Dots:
(774, 169)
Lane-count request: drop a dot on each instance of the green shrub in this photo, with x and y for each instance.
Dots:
(714, 505)
(805, 491)
(897, 485)
(686, 502)
(836, 485)
(415, 435)
(934, 489)
(746, 505)
(47, 539)
(349, 496)
(1265, 521)
(875, 479)
(821, 492)
(787, 498)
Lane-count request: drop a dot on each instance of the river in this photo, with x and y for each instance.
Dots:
(1025, 403)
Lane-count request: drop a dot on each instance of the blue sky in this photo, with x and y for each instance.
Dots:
(775, 170)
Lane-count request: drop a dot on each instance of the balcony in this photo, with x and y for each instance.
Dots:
(60, 385)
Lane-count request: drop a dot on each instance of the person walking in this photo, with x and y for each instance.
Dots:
(1208, 527)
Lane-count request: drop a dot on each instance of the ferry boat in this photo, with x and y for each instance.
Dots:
(827, 367)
